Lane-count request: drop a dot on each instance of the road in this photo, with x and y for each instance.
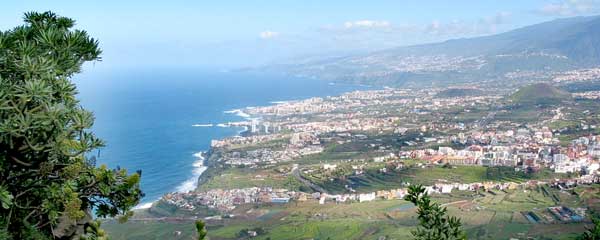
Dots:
(296, 173)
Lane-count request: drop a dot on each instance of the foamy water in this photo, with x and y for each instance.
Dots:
(239, 113)
(188, 185)
(280, 102)
(192, 182)
(143, 206)
(202, 125)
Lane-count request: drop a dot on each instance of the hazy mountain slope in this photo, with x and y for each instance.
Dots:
(537, 49)
(550, 36)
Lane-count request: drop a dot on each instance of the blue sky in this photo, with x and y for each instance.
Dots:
(246, 33)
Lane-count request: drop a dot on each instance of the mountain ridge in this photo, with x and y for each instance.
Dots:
(557, 45)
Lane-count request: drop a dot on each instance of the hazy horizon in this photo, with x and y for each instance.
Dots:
(232, 34)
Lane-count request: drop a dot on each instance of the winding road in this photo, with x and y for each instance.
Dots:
(296, 173)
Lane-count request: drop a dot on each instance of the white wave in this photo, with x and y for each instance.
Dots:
(199, 155)
(192, 183)
(143, 205)
(187, 186)
(197, 172)
(223, 125)
(239, 113)
(280, 102)
(202, 125)
(243, 114)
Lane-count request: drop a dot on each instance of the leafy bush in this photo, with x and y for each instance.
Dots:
(48, 183)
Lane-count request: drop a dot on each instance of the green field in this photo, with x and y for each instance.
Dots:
(145, 230)
(485, 216)
(231, 178)
(373, 180)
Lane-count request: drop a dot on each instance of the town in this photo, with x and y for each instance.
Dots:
(367, 147)
(529, 152)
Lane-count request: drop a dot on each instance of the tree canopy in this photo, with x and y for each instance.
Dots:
(592, 233)
(50, 187)
(201, 229)
(434, 222)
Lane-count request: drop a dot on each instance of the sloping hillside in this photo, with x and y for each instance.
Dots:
(539, 94)
(557, 45)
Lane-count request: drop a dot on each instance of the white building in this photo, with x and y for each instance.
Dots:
(327, 166)
(366, 197)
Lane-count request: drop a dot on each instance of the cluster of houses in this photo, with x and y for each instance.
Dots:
(308, 119)
(345, 125)
(588, 95)
(302, 134)
(300, 144)
(239, 140)
(526, 148)
(267, 155)
(227, 200)
(585, 74)
(359, 110)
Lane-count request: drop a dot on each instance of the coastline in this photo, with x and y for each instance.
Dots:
(188, 185)
(210, 157)
(204, 157)
(205, 163)
(207, 166)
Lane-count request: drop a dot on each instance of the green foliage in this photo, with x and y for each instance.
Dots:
(539, 94)
(592, 233)
(458, 92)
(245, 233)
(201, 229)
(434, 224)
(94, 232)
(292, 184)
(502, 172)
(48, 184)
(5, 198)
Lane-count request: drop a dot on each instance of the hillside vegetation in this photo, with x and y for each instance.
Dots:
(539, 94)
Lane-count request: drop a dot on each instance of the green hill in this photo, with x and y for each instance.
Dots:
(539, 94)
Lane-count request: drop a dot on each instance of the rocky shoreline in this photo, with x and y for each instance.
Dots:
(212, 167)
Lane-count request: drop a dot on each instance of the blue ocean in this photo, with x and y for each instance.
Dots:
(147, 117)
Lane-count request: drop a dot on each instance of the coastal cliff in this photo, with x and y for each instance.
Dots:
(213, 167)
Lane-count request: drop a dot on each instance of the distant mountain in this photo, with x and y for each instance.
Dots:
(539, 94)
(575, 38)
(528, 52)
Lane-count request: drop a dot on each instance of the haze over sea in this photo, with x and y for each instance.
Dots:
(147, 116)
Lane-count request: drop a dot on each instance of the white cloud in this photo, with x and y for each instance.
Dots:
(453, 28)
(458, 28)
(380, 34)
(569, 7)
(268, 34)
(366, 24)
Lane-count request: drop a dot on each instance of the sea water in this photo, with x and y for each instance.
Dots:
(161, 120)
